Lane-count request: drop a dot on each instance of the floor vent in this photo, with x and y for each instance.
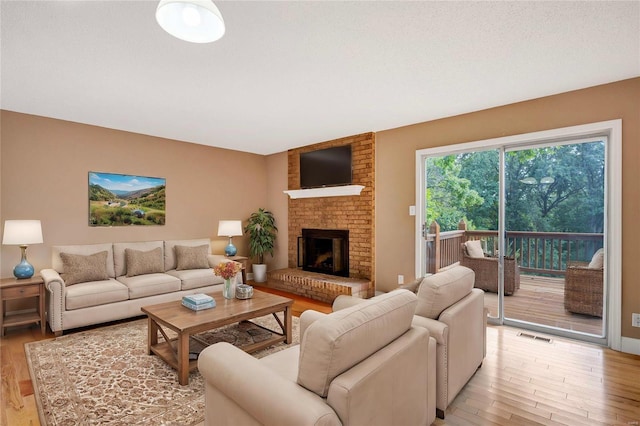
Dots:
(534, 337)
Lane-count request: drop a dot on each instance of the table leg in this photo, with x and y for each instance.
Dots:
(152, 338)
(43, 315)
(288, 325)
(1, 318)
(183, 359)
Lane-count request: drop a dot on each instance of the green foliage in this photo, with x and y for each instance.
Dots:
(107, 209)
(98, 193)
(466, 186)
(448, 195)
(262, 233)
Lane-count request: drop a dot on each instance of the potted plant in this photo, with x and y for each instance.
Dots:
(262, 236)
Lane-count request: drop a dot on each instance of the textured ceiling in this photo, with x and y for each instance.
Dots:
(288, 74)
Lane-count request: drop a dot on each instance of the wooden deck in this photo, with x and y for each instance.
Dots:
(541, 300)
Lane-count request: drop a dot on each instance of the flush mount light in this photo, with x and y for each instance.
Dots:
(196, 21)
(529, 181)
(547, 179)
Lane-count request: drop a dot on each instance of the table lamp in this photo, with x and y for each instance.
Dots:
(230, 228)
(21, 233)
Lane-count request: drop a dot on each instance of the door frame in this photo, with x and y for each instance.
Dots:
(613, 196)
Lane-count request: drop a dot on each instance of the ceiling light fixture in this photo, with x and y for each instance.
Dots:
(196, 21)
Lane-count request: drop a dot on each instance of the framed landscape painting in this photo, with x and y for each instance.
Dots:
(125, 200)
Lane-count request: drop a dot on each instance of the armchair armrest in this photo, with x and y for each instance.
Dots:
(344, 301)
(307, 318)
(240, 386)
(438, 330)
(56, 301)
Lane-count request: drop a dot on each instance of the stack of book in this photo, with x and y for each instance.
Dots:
(198, 302)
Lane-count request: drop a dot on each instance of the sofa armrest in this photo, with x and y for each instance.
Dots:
(216, 259)
(344, 301)
(239, 386)
(56, 306)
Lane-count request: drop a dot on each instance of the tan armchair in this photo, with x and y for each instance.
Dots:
(453, 312)
(486, 270)
(583, 286)
(365, 365)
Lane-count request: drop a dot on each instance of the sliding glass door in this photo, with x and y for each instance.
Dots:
(554, 221)
(538, 213)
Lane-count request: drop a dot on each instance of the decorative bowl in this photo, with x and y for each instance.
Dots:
(244, 291)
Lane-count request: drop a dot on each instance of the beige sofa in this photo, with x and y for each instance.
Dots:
(364, 365)
(112, 281)
(453, 312)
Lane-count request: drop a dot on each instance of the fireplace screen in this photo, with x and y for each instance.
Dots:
(325, 251)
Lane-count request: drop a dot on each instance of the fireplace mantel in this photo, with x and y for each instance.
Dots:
(330, 191)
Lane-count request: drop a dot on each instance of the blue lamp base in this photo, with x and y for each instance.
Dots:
(23, 269)
(230, 250)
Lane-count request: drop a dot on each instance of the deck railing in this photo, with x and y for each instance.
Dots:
(537, 252)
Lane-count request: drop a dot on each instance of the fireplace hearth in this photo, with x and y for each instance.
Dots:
(325, 251)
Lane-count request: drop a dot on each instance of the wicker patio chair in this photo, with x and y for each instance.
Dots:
(583, 288)
(486, 270)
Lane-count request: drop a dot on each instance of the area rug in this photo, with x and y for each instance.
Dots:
(104, 376)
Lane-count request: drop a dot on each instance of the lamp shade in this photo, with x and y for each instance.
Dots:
(22, 232)
(196, 21)
(229, 228)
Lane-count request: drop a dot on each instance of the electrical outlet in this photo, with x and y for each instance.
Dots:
(400, 279)
(635, 320)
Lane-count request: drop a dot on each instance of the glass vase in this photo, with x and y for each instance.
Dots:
(229, 290)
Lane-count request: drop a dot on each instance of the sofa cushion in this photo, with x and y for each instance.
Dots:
(597, 261)
(170, 261)
(119, 253)
(474, 248)
(144, 262)
(150, 285)
(195, 278)
(94, 293)
(439, 291)
(192, 257)
(335, 343)
(80, 268)
(84, 249)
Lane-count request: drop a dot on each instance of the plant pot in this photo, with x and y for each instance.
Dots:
(259, 273)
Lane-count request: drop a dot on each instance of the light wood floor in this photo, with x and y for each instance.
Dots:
(522, 381)
(541, 300)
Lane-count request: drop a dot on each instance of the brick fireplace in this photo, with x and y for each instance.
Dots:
(354, 214)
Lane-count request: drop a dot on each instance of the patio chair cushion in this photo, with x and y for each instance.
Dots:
(474, 248)
(597, 261)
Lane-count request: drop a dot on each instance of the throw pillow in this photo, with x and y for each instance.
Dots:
(80, 268)
(597, 261)
(143, 262)
(188, 257)
(474, 248)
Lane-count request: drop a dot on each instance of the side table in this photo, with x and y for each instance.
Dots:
(14, 289)
(243, 260)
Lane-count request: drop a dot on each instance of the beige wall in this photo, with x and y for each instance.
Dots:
(278, 203)
(45, 165)
(395, 171)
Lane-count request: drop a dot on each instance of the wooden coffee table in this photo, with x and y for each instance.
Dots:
(186, 323)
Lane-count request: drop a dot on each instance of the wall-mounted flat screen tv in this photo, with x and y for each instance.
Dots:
(326, 167)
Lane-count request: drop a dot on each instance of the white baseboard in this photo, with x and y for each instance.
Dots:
(629, 345)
